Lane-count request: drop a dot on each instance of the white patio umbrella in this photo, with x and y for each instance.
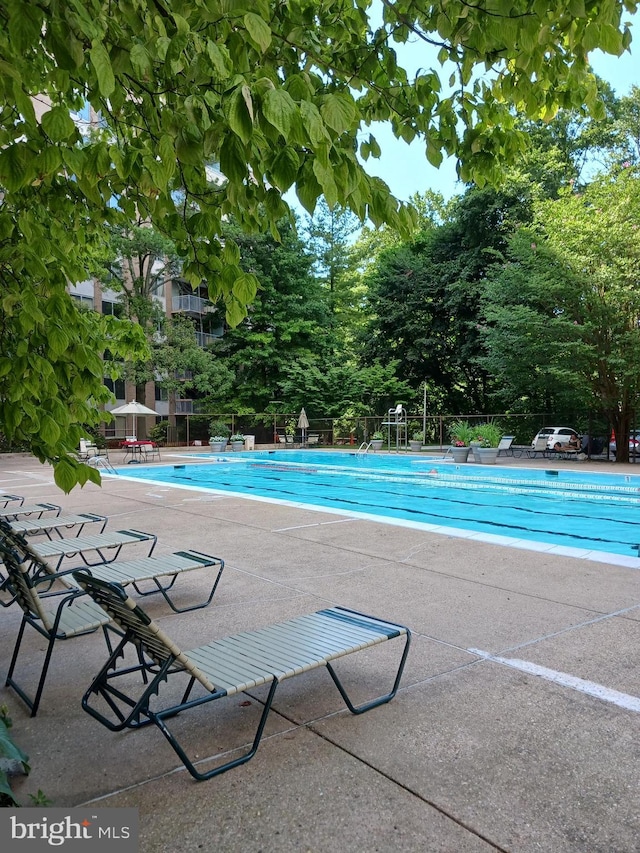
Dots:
(303, 424)
(134, 408)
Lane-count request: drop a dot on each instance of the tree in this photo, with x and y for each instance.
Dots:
(288, 321)
(182, 365)
(276, 93)
(564, 312)
(425, 298)
(330, 233)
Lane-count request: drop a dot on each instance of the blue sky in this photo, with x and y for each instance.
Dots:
(405, 167)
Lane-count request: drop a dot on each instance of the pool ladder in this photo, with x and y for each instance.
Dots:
(101, 463)
(364, 448)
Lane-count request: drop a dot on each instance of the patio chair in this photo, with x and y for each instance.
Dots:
(151, 451)
(159, 573)
(223, 668)
(313, 438)
(55, 616)
(540, 446)
(53, 524)
(10, 513)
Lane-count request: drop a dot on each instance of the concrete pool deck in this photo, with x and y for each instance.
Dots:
(515, 728)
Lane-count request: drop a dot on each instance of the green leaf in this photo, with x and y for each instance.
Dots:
(58, 124)
(231, 252)
(220, 59)
(240, 120)
(64, 475)
(140, 60)
(58, 340)
(234, 311)
(339, 112)
(279, 109)
(326, 181)
(102, 65)
(313, 123)
(49, 430)
(259, 31)
(245, 288)
(284, 169)
(233, 161)
(25, 23)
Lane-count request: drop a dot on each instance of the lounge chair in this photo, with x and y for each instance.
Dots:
(53, 524)
(540, 446)
(224, 667)
(7, 499)
(88, 449)
(37, 510)
(505, 445)
(105, 546)
(55, 616)
(158, 573)
(313, 438)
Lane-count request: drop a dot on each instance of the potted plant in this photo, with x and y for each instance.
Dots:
(219, 433)
(237, 441)
(416, 441)
(462, 434)
(488, 438)
(377, 440)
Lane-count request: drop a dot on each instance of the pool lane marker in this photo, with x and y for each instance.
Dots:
(615, 697)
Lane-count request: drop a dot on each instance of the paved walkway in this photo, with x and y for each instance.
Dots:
(515, 729)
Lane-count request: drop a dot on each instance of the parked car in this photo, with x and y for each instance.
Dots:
(634, 443)
(554, 435)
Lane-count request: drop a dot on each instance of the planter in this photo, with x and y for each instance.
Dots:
(237, 445)
(460, 454)
(415, 445)
(475, 446)
(485, 455)
(376, 443)
(217, 446)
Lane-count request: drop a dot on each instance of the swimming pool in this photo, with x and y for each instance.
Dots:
(560, 510)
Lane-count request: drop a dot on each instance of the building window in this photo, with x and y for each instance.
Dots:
(114, 309)
(116, 387)
(85, 302)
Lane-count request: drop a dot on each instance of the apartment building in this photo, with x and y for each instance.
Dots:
(173, 297)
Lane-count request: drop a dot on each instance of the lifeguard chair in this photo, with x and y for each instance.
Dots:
(397, 420)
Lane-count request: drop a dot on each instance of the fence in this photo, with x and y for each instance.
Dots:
(266, 426)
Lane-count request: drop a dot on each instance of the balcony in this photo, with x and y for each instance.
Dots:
(193, 305)
(206, 338)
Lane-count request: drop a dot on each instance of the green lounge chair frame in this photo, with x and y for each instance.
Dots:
(54, 526)
(55, 616)
(161, 572)
(10, 513)
(222, 668)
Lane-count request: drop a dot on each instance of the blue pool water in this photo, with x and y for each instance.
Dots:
(564, 508)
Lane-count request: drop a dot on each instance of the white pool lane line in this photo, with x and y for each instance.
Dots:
(598, 691)
(440, 529)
